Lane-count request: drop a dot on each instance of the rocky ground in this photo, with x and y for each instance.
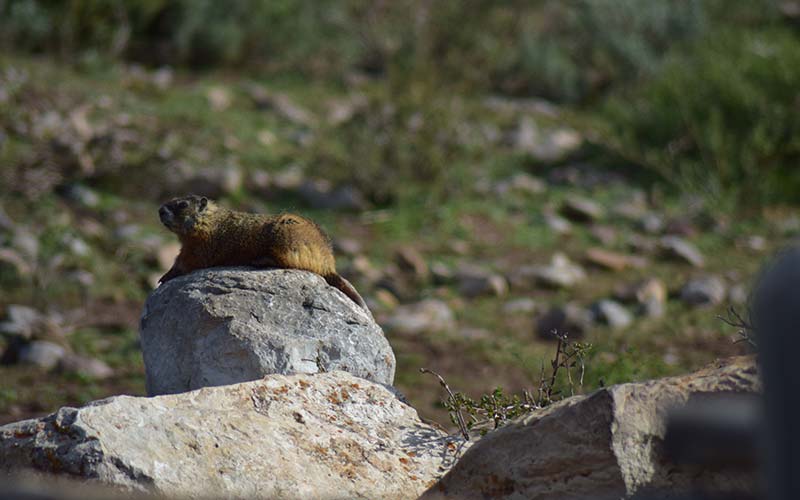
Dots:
(522, 228)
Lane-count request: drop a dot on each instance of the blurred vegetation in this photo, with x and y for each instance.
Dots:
(698, 90)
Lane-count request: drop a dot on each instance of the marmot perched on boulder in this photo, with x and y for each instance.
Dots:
(213, 236)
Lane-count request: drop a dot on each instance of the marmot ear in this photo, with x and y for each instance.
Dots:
(203, 202)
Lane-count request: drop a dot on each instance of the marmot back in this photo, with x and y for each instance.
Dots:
(213, 236)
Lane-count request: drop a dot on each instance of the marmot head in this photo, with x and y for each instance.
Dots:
(182, 215)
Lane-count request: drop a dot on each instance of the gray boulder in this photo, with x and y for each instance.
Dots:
(227, 325)
(609, 444)
(329, 435)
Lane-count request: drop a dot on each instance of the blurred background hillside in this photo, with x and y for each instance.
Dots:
(488, 171)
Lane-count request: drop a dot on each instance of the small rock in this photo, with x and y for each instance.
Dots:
(411, 261)
(81, 277)
(611, 260)
(459, 247)
(522, 183)
(41, 353)
(557, 224)
(26, 242)
(442, 273)
(474, 282)
(704, 291)
(76, 245)
(756, 243)
(219, 98)
(571, 319)
(82, 195)
(289, 179)
(342, 110)
(652, 223)
(580, 209)
(612, 313)
(427, 316)
(22, 321)
(259, 181)
(162, 77)
(524, 305)
(633, 209)
(560, 273)
(677, 248)
(606, 235)
(89, 367)
(545, 145)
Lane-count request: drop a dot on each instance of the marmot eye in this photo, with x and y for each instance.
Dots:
(183, 204)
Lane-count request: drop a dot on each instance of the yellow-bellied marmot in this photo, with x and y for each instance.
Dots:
(213, 236)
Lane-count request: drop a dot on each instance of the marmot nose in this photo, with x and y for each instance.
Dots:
(163, 212)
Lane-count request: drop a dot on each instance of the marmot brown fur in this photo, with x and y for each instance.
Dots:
(213, 236)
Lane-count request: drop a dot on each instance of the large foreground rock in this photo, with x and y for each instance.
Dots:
(604, 445)
(227, 325)
(328, 435)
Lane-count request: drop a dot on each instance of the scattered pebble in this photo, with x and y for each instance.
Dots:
(23, 321)
(427, 316)
(41, 353)
(612, 314)
(82, 195)
(545, 145)
(560, 273)
(612, 261)
(88, 367)
(521, 183)
(652, 223)
(579, 209)
(704, 291)
(442, 273)
(571, 319)
(677, 248)
(557, 224)
(473, 282)
(219, 98)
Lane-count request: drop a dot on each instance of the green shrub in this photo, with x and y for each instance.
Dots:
(566, 51)
(721, 117)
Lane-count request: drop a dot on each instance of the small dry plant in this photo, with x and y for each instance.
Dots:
(496, 408)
